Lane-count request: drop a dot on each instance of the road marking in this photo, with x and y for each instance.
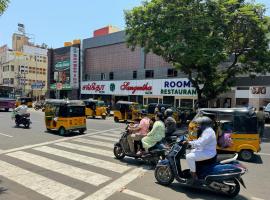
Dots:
(255, 198)
(40, 184)
(91, 129)
(264, 154)
(51, 142)
(6, 135)
(116, 185)
(138, 195)
(86, 149)
(61, 168)
(111, 135)
(103, 138)
(94, 142)
(84, 159)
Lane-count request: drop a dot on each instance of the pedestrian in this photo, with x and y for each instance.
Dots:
(261, 121)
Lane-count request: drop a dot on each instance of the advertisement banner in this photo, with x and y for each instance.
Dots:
(164, 87)
(74, 67)
(259, 92)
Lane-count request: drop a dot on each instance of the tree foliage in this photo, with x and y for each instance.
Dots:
(211, 41)
(3, 6)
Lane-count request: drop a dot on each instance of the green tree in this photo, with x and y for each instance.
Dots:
(3, 6)
(211, 41)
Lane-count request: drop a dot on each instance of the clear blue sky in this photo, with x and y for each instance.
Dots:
(56, 21)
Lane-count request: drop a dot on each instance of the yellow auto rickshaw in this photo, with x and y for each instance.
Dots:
(65, 116)
(126, 111)
(240, 124)
(27, 100)
(151, 111)
(95, 108)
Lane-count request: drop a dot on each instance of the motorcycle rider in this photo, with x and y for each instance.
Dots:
(20, 111)
(155, 135)
(204, 147)
(138, 132)
(170, 122)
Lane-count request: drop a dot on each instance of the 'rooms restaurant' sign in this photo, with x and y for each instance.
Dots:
(164, 87)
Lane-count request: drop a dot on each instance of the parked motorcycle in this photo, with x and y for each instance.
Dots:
(122, 149)
(224, 177)
(24, 119)
(39, 105)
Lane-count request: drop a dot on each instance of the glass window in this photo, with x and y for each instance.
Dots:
(134, 74)
(172, 73)
(186, 103)
(149, 74)
(12, 68)
(103, 76)
(111, 75)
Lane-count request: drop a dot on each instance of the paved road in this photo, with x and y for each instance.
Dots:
(35, 165)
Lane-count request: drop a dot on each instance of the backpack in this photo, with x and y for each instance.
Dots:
(225, 140)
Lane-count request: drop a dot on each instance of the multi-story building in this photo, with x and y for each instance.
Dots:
(64, 70)
(113, 72)
(25, 68)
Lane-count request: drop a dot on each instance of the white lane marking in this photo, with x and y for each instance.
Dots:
(116, 185)
(138, 195)
(84, 159)
(264, 154)
(111, 135)
(103, 138)
(40, 184)
(255, 198)
(61, 168)
(6, 135)
(94, 142)
(51, 142)
(85, 149)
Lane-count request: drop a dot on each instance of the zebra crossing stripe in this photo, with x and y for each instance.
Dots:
(94, 142)
(61, 168)
(40, 184)
(116, 185)
(103, 138)
(111, 135)
(138, 195)
(85, 149)
(84, 159)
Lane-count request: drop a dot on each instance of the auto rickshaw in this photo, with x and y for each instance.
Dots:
(151, 111)
(65, 116)
(126, 111)
(27, 100)
(239, 123)
(95, 108)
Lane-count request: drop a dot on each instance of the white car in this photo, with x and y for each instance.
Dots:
(267, 111)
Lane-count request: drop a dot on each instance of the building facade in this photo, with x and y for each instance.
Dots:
(113, 72)
(64, 70)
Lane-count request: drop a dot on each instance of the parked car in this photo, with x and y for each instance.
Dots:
(267, 112)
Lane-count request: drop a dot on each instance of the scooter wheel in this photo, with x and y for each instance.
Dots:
(26, 124)
(164, 175)
(234, 190)
(118, 152)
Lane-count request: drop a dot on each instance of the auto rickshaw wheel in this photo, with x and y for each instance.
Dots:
(6, 109)
(82, 130)
(246, 155)
(104, 117)
(116, 119)
(62, 131)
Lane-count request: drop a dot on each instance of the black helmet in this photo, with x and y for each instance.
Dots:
(168, 112)
(162, 109)
(143, 112)
(204, 122)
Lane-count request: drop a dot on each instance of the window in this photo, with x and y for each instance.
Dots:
(5, 68)
(134, 74)
(172, 73)
(103, 76)
(12, 81)
(111, 75)
(149, 74)
(12, 68)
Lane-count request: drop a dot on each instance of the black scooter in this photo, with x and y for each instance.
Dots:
(122, 149)
(24, 120)
(223, 177)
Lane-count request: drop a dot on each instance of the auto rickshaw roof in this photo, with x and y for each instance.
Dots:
(227, 110)
(65, 102)
(126, 102)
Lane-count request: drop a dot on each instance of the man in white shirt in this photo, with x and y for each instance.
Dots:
(21, 110)
(204, 147)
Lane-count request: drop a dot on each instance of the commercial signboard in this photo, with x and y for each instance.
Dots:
(259, 92)
(37, 85)
(65, 67)
(164, 87)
